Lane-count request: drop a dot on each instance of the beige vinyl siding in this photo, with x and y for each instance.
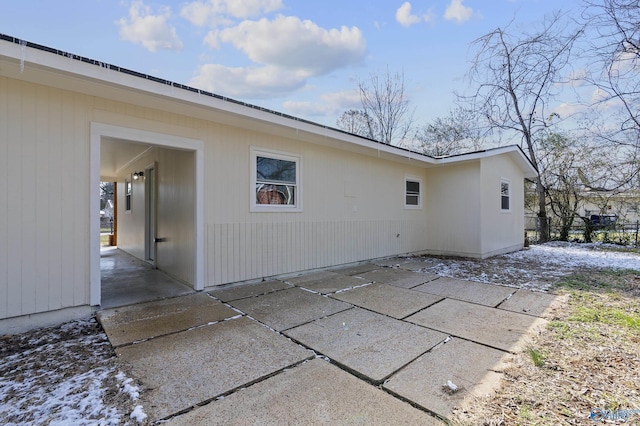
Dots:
(501, 231)
(240, 252)
(353, 209)
(44, 233)
(353, 204)
(453, 217)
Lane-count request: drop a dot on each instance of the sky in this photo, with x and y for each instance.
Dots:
(299, 57)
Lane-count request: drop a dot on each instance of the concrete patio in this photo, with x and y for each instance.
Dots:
(374, 343)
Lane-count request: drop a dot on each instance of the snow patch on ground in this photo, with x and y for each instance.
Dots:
(537, 267)
(62, 376)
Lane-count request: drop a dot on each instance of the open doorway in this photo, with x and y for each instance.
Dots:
(157, 228)
(108, 220)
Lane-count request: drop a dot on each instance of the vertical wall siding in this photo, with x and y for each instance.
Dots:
(499, 229)
(247, 251)
(353, 210)
(44, 192)
(353, 204)
(6, 150)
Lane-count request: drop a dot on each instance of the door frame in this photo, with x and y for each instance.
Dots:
(150, 209)
(100, 130)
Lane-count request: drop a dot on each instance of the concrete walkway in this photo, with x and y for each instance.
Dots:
(370, 344)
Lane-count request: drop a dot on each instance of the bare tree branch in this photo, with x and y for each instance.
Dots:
(515, 75)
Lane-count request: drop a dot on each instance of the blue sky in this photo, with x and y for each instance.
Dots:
(300, 57)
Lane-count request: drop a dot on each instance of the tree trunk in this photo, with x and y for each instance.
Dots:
(542, 211)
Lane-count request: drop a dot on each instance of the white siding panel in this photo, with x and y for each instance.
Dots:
(66, 201)
(4, 197)
(287, 247)
(54, 205)
(29, 194)
(80, 204)
(43, 183)
(14, 200)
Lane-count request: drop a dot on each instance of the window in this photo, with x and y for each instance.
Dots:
(127, 195)
(276, 181)
(412, 198)
(505, 195)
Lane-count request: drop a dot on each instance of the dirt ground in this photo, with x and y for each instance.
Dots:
(70, 374)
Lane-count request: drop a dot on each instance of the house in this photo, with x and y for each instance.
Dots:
(604, 208)
(212, 190)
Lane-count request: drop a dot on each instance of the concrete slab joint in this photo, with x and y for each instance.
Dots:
(406, 349)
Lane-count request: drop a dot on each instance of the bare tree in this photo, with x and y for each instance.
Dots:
(357, 122)
(453, 134)
(615, 55)
(516, 75)
(562, 160)
(387, 107)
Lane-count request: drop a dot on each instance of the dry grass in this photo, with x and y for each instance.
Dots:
(587, 358)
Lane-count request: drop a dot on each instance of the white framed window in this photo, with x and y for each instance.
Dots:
(275, 181)
(412, 192)
(505, 195)
(128, 189)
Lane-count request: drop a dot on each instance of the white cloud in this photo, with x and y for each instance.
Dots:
(405, 17)
(458, 12)
(214, 12)
(249, 82)
(211, 39)
(599, 95)
(150, 30)
(285, 50)
(566, 110)
(291, 43)
(330, 104)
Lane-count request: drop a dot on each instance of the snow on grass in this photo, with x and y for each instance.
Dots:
(537, 267)
(138, 414)
(572, 255)
(64, 375)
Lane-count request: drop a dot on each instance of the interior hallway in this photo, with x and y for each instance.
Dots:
(126, 280)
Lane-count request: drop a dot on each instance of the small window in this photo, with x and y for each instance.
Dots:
(127, 195)
(505, 203)
(276, 182)
(412, 198)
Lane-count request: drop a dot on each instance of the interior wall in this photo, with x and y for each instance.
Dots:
(175, 216)
(176, 213)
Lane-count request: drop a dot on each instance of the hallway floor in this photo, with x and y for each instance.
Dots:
(127, 280)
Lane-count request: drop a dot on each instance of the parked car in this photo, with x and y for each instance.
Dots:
(602, 220)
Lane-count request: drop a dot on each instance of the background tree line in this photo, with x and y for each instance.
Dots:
(516, 78)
